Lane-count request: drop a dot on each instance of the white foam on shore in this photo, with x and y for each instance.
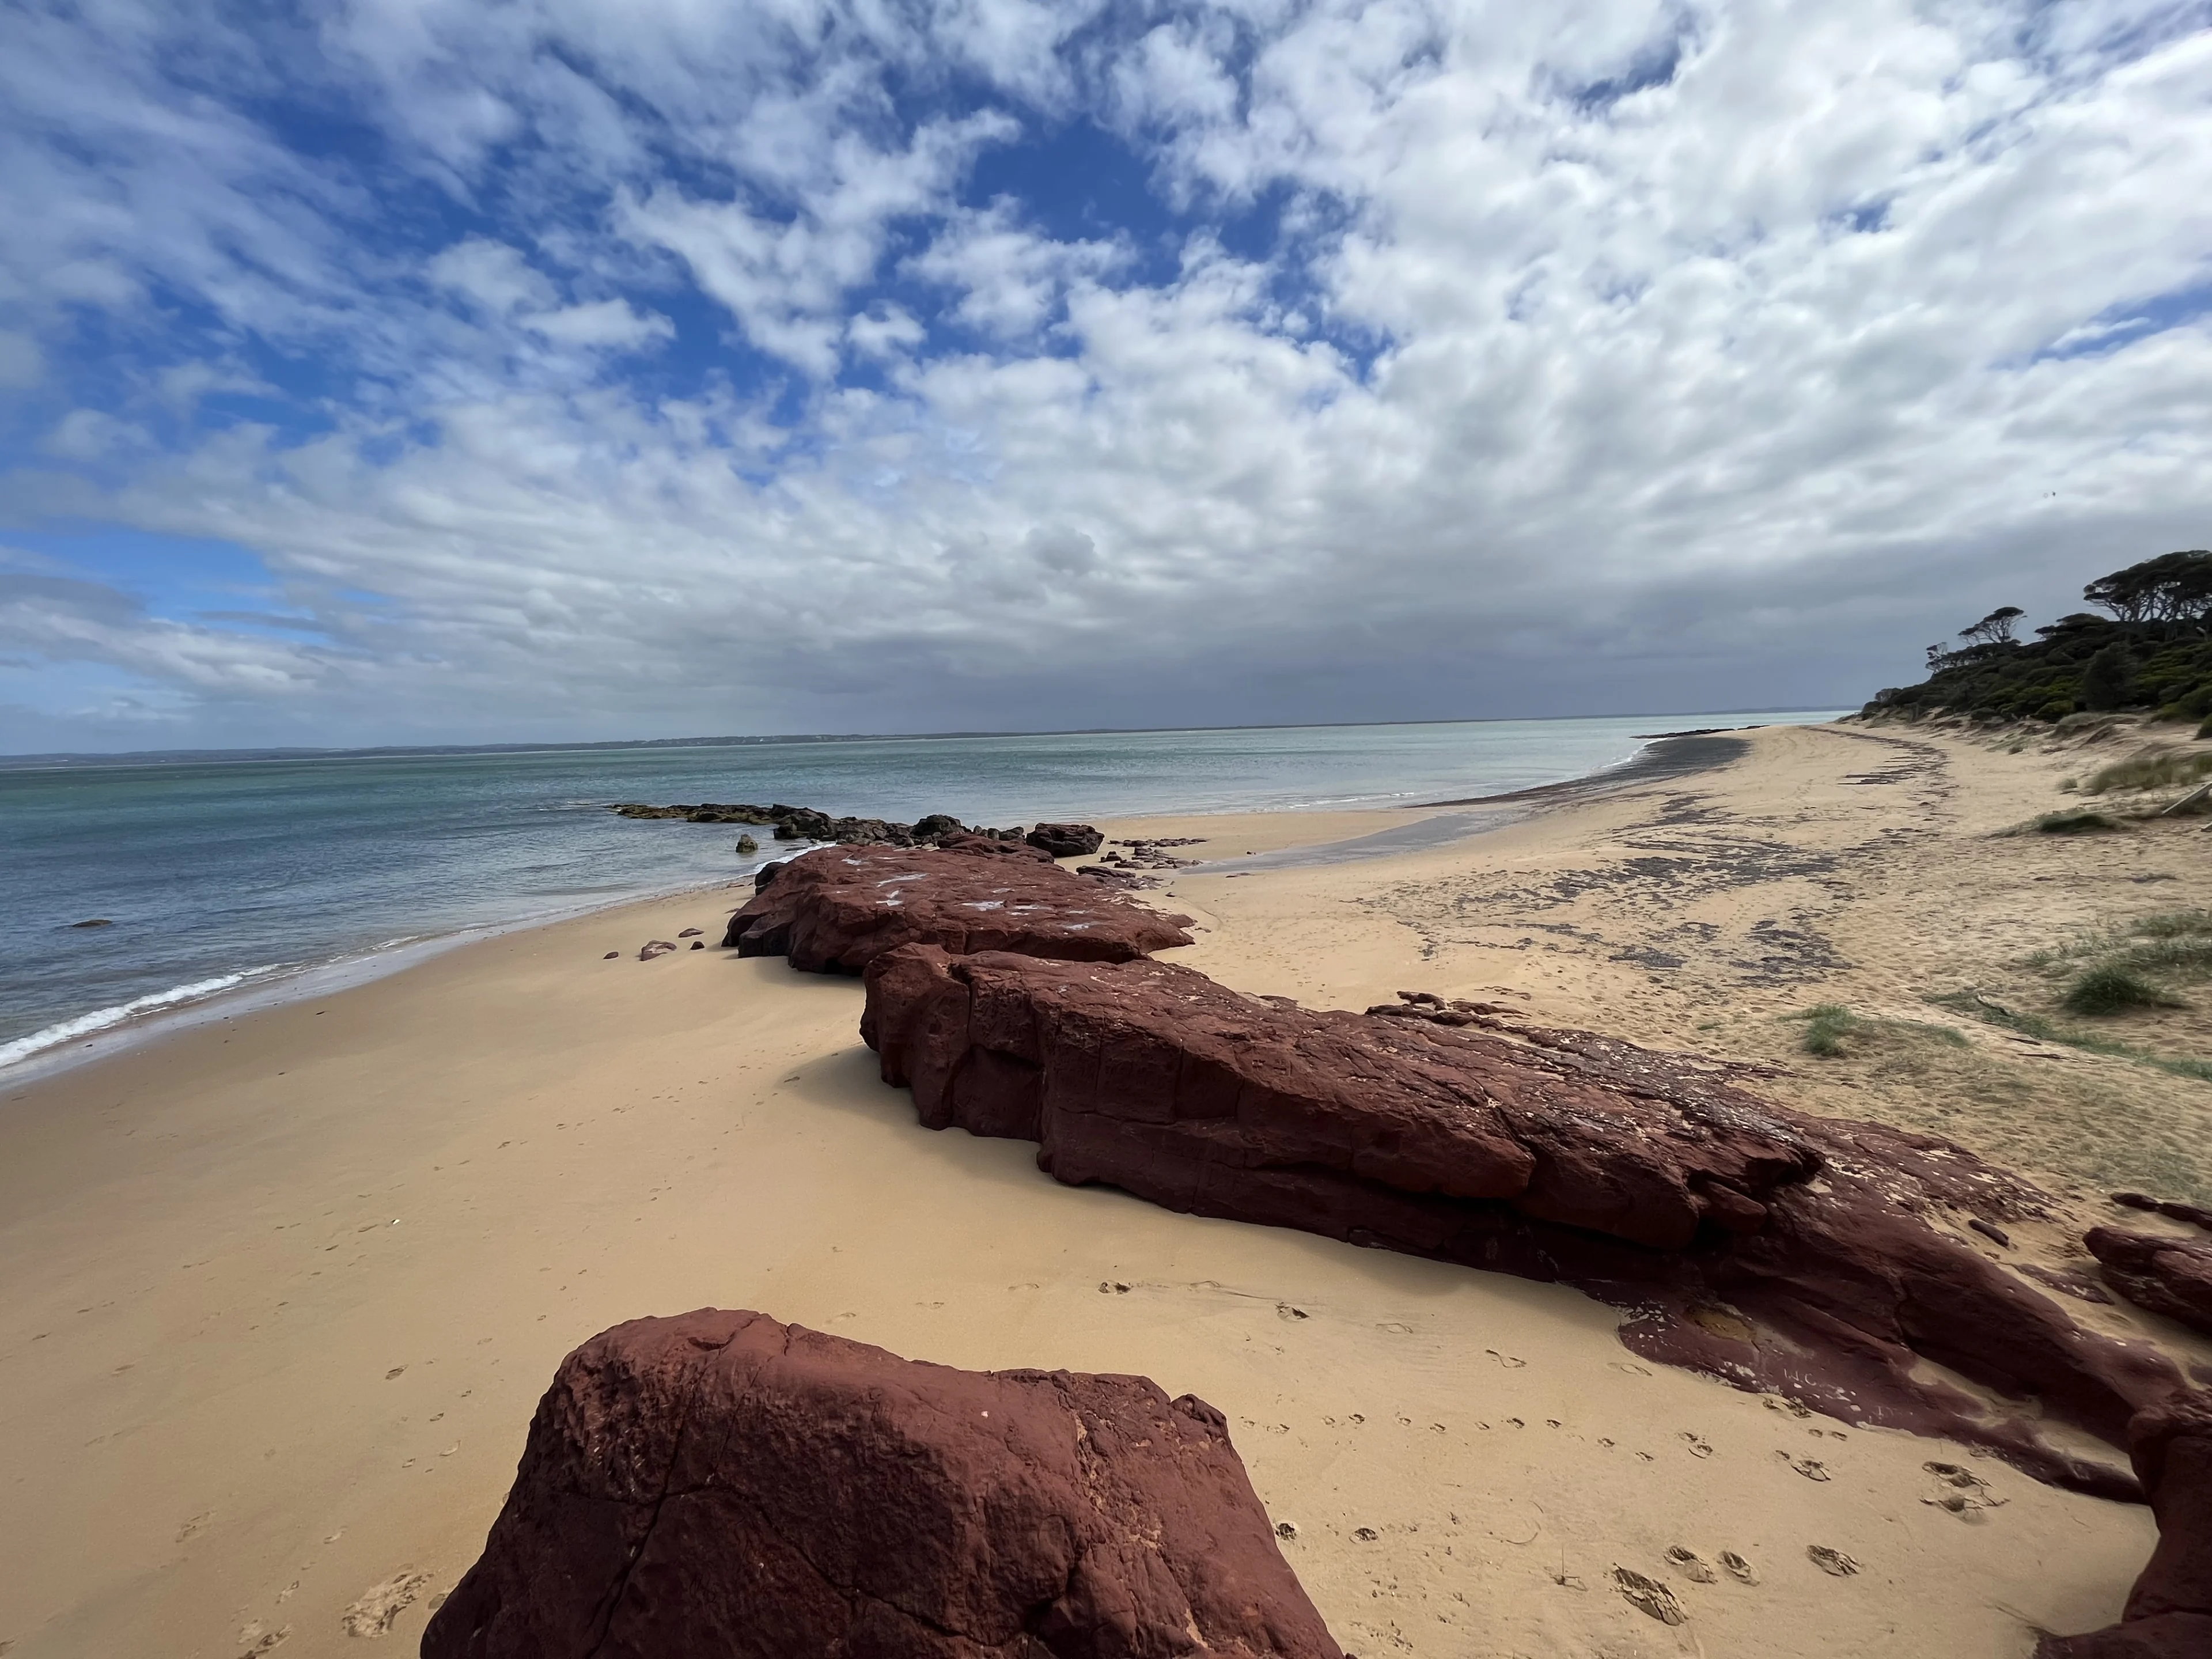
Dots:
(101, 1019)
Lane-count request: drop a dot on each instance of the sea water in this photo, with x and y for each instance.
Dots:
(213, 875)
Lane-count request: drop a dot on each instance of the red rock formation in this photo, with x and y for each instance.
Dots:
(2167, 1275)
(1819, 1257)
(721, 1484)
(2169, 1612)
(836, 909)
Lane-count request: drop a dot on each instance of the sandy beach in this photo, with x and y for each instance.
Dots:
(278, 1292)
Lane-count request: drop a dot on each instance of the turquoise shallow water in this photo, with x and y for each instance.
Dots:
(220, 873)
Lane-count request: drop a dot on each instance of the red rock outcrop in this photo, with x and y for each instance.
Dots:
(836, 909)
(2167, 1275)
(721, 1484)
(2169, 1612)
(1821, 1258)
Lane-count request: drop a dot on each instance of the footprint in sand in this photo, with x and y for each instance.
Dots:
(1834, 1563)
(1698, 1447)
(1811, 1468)
(1508, 1361)
(1285, 1310)
(1649, 1595)
(1112, 1287)
(1286, 1530)
(1691, 1564)
(1961, 1493)
(1737, 1568)
(1392, 1327)
(256, 1641)
(194, 1525)
(381, 1605)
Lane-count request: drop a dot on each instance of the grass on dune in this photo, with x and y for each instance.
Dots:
(2157, 769)
(2110, 988)
(1830, 1029)
(1976, 1006)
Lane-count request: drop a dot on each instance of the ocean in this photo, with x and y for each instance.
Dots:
(217, 878)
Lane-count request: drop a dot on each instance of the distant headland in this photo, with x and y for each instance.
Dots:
(2151, 653)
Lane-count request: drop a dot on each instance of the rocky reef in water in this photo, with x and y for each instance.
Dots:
(805, 823)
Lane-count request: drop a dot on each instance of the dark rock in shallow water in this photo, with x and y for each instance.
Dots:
(2167, 1275)
(1066, 840)
(936, 824)
(2169, 1612)
(806, 823)
(1819, 1258)
(834, 909)
(95, 921)
(719, 1483)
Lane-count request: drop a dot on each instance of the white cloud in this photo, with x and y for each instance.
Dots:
(1010, 278)
(1502, 357)
(611, 325)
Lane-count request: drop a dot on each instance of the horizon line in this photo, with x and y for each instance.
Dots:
(182, 757)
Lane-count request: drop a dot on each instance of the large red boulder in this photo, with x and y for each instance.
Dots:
(1821, 1258)
(719, 1483)
(2169, 1612)
(2167, 1275)
(836, 909)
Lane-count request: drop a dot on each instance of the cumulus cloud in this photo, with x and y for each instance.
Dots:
(662, 367)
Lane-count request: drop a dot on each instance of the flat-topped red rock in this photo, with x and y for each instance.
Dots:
(1821, 1258)
(720, 1484)
(836, 909)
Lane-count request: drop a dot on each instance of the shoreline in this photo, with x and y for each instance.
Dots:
(270, 985)
(278, 1293)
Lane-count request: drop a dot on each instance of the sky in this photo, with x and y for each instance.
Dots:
(471, 370)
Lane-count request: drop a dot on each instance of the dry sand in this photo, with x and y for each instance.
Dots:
(278, 1293)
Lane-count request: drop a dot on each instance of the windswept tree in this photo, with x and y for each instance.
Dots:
(2174, 589)
(1994, 629)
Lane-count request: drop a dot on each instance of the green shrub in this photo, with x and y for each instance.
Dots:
(2109, 680)
(2205, 730)
(2056, 710)
(2111, 989)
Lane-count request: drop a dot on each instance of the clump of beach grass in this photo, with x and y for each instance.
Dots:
(2113, 988)
(1827, 1025)
(1831, 1029)
(1975, 1005)
(2152, 769)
